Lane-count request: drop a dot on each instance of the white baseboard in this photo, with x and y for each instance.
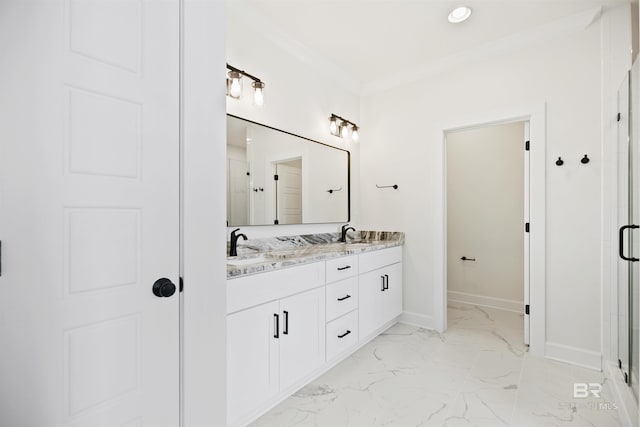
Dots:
(573, 355)
(623, 396)
(416, 319)
(484, 301)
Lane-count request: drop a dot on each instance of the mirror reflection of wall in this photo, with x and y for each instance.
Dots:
(312, 184)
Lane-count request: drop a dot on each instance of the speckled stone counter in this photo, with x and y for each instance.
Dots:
(282, 252)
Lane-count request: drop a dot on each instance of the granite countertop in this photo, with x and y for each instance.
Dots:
(262, 255)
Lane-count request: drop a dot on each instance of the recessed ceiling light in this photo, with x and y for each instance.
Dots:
(459, 14)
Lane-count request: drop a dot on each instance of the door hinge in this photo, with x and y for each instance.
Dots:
(275, 221)
(619, 117)
(181, 284)
(275, 177)
(619, 364)
(526, 309)
(526, 146)
(526, 227)
(626, 378)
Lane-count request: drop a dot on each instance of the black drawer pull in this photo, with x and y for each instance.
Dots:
(276, 319)
(285, 328)
(344, 298)
(343, 268)
(345, 334)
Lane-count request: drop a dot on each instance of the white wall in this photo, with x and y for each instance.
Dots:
(403, 128)
(299, 97)
(485, 215)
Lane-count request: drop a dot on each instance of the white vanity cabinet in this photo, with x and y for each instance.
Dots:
(285, 327)
(273, 345)
(380, 289)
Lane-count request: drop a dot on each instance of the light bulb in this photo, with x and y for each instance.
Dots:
(235, 88)
(258, 94)
(344, 130)
(333, 126)
(354, 134)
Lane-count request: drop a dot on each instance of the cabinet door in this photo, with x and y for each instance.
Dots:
(302, 337)
(370, 308)
(392, 298)
(252, 360)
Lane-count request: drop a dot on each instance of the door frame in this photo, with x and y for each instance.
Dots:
(536, 116)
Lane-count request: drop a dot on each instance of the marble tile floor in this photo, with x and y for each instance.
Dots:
(478, 373)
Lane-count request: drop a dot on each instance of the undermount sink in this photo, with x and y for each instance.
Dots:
(246, 261)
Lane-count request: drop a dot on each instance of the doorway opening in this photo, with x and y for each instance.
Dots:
(487, 216)
(288, 190)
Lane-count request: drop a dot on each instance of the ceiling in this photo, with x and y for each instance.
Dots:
(374, 39)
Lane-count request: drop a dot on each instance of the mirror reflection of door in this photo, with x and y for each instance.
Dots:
(238, 192)
(289, 192)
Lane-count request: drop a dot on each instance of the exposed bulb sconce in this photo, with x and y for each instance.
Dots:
(234, 85)
(354, 134)
(258, 93)
(341, 129)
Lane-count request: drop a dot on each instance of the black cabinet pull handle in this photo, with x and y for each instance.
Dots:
(386, 281)
(345, 334)
(344, 298)
(343, 268)
(464, 258)
(383, 287)
(276, 319)
(621, 242)
(285, 328)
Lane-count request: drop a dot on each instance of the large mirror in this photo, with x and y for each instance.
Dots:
(275, 177)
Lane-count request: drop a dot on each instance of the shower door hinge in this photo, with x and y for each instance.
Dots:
(619, 117)
(526, 309)
(619, 363)
(526, 146)
(626, 378)
(526, 227)
(275, 177)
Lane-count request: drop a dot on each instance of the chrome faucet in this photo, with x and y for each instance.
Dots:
(233, 246)
(343, 235)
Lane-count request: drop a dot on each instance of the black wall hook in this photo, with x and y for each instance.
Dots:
(585, 160)
(559, 162)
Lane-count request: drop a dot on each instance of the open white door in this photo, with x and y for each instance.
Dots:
(526, 234)
(89, 214)
(289, 192)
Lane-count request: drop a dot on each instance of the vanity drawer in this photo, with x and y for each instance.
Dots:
(342, 297)
(342, 334)
(342, 268)
(377, 259)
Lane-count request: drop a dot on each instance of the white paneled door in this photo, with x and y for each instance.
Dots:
(89, 213)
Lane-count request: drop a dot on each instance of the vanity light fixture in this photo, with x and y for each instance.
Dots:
(234, 85)
(339, 126)
(459, 14)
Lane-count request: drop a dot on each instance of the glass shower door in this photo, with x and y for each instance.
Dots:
(634, 236)
(623, 222)
(628, 220)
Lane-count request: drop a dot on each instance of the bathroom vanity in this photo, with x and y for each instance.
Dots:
(295, 311)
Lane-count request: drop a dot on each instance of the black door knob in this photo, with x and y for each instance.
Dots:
(164, 288)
